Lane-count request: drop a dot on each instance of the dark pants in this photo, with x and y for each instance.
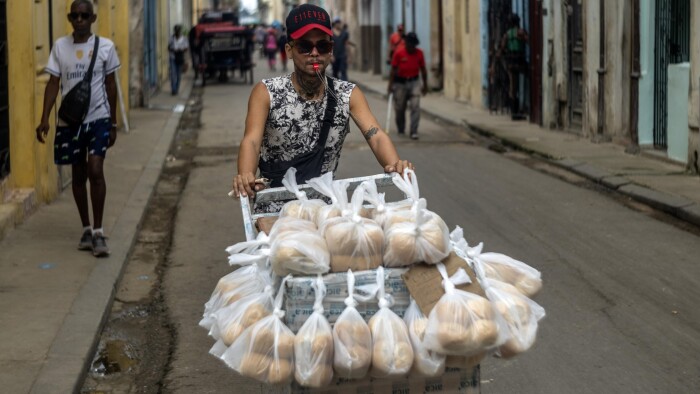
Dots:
(407, 94)
(175, 76)
(340, 68)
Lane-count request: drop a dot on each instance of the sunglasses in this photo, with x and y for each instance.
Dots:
(305, 47)
(83, 15)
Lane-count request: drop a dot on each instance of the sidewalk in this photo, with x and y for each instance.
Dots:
(55, 298)
(659, 183)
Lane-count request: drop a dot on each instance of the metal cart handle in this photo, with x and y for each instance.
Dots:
(281, 194)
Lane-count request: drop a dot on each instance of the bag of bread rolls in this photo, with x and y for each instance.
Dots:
(230, 321)
(498, 266)
(298, 249)
(313, 345)
(507, 269)
(392, 353)
(462, 323)
(354, 242)
(424, 239)
(352, 340)
(425, 362)
(246, 280)
(302, 207)
(265, 350)
(521, 316)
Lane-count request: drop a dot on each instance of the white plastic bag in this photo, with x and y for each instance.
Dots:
(462, 323)
(425, 362)
(352, 339)
(507, 269)
(424, 239)
(313, 345)
(247, 280)
(520, 314)
(302, 207)
(354, 242)
(249, 252)
(498, 266)
(265, 350)
(231, 321)
(392, 353)
(298, 249)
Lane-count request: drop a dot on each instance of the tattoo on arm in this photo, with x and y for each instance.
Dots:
(371, 132)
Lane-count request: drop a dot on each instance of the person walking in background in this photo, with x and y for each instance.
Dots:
(177, 46)
(407, 63)
(260, 34)
(281, 42)
(193, 40)
(396, 41)
(84, 146)
(512, 51)
(341, 40)
(271, 48)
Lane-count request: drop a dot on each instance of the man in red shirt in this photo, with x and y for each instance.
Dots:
(407, 62)
(396, 41)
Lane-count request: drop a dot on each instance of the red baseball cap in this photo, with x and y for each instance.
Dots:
(305, 18)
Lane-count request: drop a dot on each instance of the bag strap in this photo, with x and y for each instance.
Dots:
(331, 106)
(88, 76)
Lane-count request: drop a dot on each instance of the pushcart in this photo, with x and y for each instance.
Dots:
(454, 380)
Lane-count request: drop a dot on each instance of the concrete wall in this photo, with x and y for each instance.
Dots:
(462, 51)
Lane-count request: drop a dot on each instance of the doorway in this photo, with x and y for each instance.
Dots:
(671, 46)
(575, 41)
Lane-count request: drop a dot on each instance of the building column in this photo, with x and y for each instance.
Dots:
(21, 76)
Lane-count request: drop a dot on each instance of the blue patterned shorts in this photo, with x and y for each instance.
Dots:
(71, 145)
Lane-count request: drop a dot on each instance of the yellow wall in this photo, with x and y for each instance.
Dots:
(28, 52)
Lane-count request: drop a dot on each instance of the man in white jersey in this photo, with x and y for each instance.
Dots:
(84, 146)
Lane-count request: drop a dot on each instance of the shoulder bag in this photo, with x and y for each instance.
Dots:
(76, 104)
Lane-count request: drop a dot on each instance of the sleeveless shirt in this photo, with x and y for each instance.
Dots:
(294, 124)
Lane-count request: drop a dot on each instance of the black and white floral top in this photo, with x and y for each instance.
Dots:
(293, 125)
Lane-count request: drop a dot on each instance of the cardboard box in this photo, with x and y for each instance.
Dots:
(453, 381)
(300, 295)
(424, 282)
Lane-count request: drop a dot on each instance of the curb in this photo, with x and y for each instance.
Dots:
(71, 351)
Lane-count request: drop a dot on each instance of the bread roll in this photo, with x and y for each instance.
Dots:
(255, 366)
(290, 224)
(254, 313)
(280, 370)
(528, 285)
(455, 337)
(262, 341)
(418, 326)
(232, 331)
(353, 244)
(390, 357)
(299, 253)
(485, 332)
(480, 308)
(314, 348)
(352, 353)
(302, 209)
